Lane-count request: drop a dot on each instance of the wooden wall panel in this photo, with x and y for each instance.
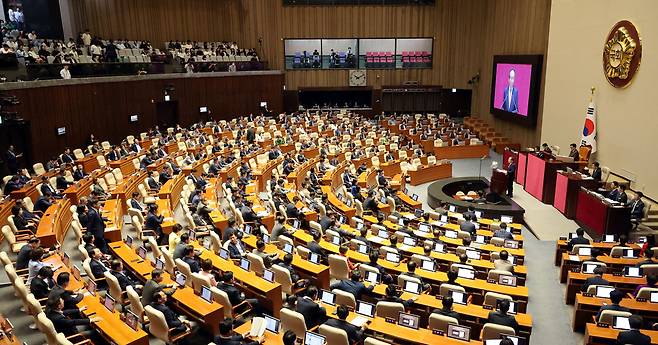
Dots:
(104, 108)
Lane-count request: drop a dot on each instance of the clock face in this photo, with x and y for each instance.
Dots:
(357, 77)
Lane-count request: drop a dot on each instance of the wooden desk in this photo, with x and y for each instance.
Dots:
(112, 210)
(124, 191)
(349, 212)
(219, 220)
(426, 174)
(598, 335)
(409, 201)
(89, 162)
(461, 151)
(269, 294)
(575, 282)
(379, 326)
(54, 223)
(603, 247)
(172, 189)
(615, 265)
(29, 190)
(586, 307)
(125, 164)
(601, 217)
(111, 327)
(5, 211)
(210, 314)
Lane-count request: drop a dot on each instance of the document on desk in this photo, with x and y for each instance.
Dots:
(359, 321)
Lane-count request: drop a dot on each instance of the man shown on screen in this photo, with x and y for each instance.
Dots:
(511, 95)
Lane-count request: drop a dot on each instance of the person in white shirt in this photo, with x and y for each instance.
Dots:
(96, 52)
(20, 19)
(32, 36)
(189, 67)
(232, 67)
(12, 15)
(5, 49)
(65, 73)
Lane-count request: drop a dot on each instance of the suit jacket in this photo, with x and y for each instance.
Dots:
(596, 174)
(47, 188)
(315, 247)
(614, 307)
(170, 317)
(503, 234)
(314, 314)
(135, 204)
(622, 197)
(96, 226)
(40, 288)
(449, 313)
(153, 222)
(153, 184)
(370, 205)
(634, 337)
(70, 301)
(292, 211)
(178, 250)
(61, 182)
(234, 295)
(355, 288)
(236, 339)
(195, 267)
(64, 324)
(499, 318)
(227, 233)
(23, 257)
(595, 280)
(248, 215)
(234, 252)
(468, 227)
(97, 268)
(124, 279)
(354, 333)
(576, 240)
(511, 105)
(503, 265)
(637, 209)
(151, 287)
(78, 175)
(67, 158)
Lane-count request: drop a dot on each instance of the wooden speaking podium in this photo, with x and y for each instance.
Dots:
(498, 181)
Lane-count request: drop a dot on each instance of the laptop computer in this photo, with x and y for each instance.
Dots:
(223, 253)
(245, 264)
(604, 291)
(439, 247)
(131, 320)
(412, 287)
(634, 272)
(91, 287)
(109, 302)
(365, 309)
(466, 273)
(180, 279)
(585, 251)
(268, 275)
(422, 227)
(428, 265)
(272, 324)
(206, 295)
(506, 219)
(459, 297)
(653, 297)
(141, 252)
(507, 280)
(621, 322)
(372, 277)
(392, 257)
(328, 297)
(314, 258)
(311, 338)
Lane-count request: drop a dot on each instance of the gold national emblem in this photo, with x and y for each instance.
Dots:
(621, 54)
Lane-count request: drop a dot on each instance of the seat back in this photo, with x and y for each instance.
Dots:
(495, 274)
(373, 341)
(607, 316)
(334, 336)
(135, 302)
(47, 328)
(490, 298)
(184, 268)
(39, 169)
(158, 324)
(101, 161)
(199, 281)
(389, 309)
(78, 154)
(645, 292)
(494, 331)
(445, 289)
(338, 267)
(292, 320)
(221, 297)
(282, 276)
(256, 263)
(404, 278)
(441, 322)
(114, 287)
(344, 297)
(618, 251)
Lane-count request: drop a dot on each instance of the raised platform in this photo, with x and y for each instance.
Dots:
(496, 205)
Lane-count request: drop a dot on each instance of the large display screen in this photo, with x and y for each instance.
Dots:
(515, 87)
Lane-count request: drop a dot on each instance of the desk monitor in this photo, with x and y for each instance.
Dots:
(452, 208)
(589, 268)
(428, 265)
(159, 264)
(131, 320)
(459, 297)
(585, 251)
(328, 297)
(76, 272)
(609, 239)
(392, 257)
(620, 322)
(207, 243)
(451, 234)
(295, 224)
(359, 225)
(372, 277)
(247, 229)
(444, 219)
(507, 280)
(462, 333)
(507, 219)
(418, 213)
(66, 260)
(410, 241)
(424, 227)
(335, 240)
(314, 339)
(268, 275)
(414, 197)
(653, 297)
(512, 307)
(365, 309)
(272, 324)
(91, 287)
(466, 273)
(348, 203)
(129, 241)
(383, 200)
(604, 291)
(409, 320)
(180, 279)
(245, 264)
(633, 272)
(141, 252)
(473, 254)
(629, 254)
(478, 214)
(314, 258)
(288, 248)
(511, 244)
(341, 220)
(412, 287)
(383, 234)
(572, 235)
(479, 239)
(206, 295)
(223, 253)
(363, 249)
(109, 302)
(401, 221)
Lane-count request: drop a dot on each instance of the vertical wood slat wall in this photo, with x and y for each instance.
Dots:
(467, 34)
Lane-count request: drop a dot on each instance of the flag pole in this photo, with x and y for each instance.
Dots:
(592, 89)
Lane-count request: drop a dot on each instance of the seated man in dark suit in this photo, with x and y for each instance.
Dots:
(467, 225)
(354, 334)
(596, 172)
(446, 309)
(97, 267)
(42, 283)
(291, 209)
(188, 258)
(503, 233)
(61, 181)
(370, 204)
(70, 297)
(122, 277)
(411, 272)
(43, 202)
(381, 179)
(500, 316)
(597, 279)
(67, 325)
(170, 316)
(615, 297)
(235, 247)
(354, 285)
(633, 336)
(135, 201)
(294, 276)
(622, 197)
(471, 212)
(393, 295)
(314, 245)
(228, 337)
(248, 214)
(154, 222)
(152, 183)
(314, 314)
(579, 239)
(637, 207)
(236, 296)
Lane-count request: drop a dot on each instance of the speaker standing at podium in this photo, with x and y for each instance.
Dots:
(511, 171)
